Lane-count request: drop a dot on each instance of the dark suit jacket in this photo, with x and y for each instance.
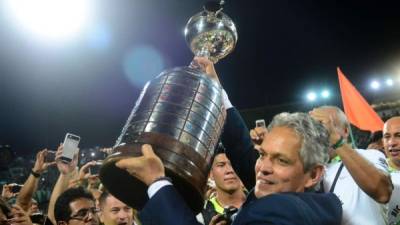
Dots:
(166, 207)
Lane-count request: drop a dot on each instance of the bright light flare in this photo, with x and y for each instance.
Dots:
(311, 96)
(54, 19)
(389, 82)
(375, 85)
(325, 94)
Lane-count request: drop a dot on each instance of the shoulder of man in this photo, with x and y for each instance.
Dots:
(295, 208)
(375, 157)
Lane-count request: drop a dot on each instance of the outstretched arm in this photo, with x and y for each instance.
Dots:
(235, 136)
(373, 181)
(165, 205)
(31, 184)
(67, 173)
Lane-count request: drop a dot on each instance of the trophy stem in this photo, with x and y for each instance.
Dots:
(202, 53)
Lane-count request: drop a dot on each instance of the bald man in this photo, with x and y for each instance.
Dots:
(391, 142)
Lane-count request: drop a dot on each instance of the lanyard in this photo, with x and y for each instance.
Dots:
(336, 178)
(334, 181)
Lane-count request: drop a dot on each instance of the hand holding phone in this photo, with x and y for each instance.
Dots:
(257, 134)
(50, 156)
(260, 123)
(16, 188)
(95, 169)
(70, 147)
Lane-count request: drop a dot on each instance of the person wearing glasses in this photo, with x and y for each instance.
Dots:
(76, 206)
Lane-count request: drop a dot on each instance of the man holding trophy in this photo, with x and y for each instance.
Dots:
(281, 177)
(290, 160)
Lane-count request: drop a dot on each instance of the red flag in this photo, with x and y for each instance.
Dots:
(357, 110)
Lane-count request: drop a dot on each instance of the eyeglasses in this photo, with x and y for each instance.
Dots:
(83, 214)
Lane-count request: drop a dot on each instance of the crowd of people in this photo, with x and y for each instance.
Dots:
(303, 168)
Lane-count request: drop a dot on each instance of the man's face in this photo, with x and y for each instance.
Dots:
(115, 212)
(391, 138)
(279, 167)
(82, 212)
(223, 174)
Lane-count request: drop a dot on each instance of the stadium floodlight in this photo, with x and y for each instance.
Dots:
(389, 82)
(325, 94)
(61, 19)
(375, 85)
(311, 96)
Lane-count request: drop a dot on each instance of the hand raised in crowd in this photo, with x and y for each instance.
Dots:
(65, 168)
(41, 164)
(327, 118)
(19, 216)
(93, 181)
(257, 136)
(146, 168)
(84, 170)
(7, 191)
(84, 174)
(73, 183)
(204, 64)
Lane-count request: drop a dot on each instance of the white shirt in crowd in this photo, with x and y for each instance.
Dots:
(358, 207)
(394, 204)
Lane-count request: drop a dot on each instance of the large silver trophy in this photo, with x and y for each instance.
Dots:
(180, 113)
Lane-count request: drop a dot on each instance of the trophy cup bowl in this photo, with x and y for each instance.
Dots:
(212, 34)
(181, 114)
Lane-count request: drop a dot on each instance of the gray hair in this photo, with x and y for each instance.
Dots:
(315, 138)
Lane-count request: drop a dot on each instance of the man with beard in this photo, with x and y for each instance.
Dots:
(229, 193)
(114, 212)
(76, 206)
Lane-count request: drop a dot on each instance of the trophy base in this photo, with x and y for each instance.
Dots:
(133, 192)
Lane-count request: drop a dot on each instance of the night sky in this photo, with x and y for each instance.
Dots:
(89, 85)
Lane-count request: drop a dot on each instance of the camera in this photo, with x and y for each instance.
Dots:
(228, 215)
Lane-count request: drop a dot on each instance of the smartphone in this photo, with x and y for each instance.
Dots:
(70, 144)
(95, 169)
(16, 188)
(50, 156)
(260, 123)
